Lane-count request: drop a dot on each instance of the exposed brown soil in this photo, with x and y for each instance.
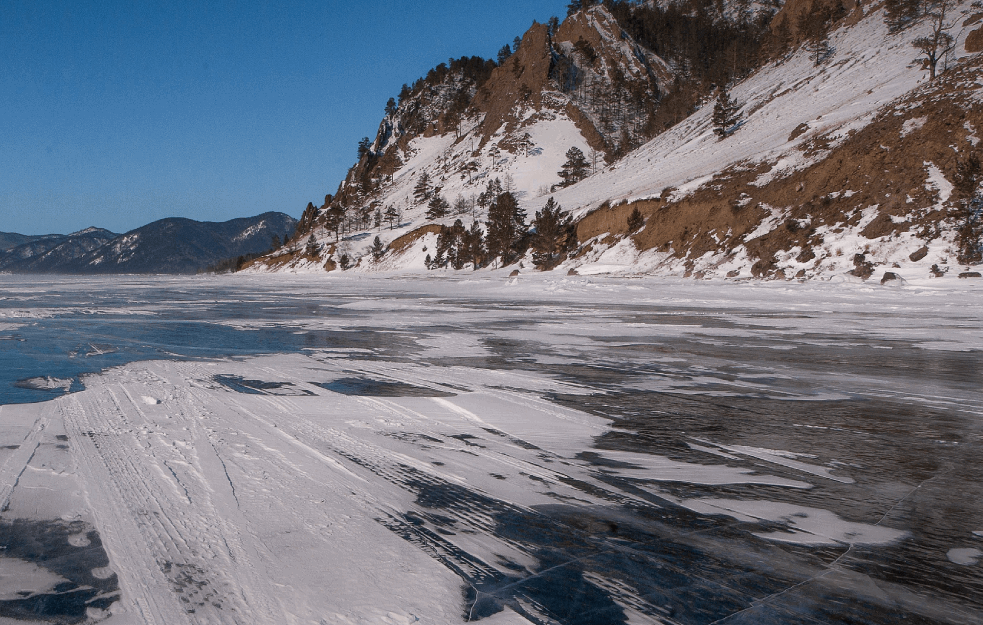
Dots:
(604, 220)
(877, 164)
(974, 41)
(401, 243)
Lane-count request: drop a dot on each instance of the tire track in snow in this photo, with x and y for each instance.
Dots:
(185, 555)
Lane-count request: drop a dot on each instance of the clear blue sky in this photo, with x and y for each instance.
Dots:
(116, 113)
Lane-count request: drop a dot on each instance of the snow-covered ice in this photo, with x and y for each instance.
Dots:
(399, 450)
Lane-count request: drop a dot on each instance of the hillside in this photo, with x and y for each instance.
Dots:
(10, 240)
(167, 246)
(49, 252)
(842, 162)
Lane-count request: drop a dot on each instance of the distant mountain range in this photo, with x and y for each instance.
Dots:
(172, 246)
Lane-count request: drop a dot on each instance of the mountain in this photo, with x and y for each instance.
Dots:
(168, 246)
(843, 157)
(49, 253)
(10, 240)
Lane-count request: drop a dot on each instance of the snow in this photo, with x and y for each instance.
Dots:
(911, 125)
(805, 525)
(937, 182)
(965, 556)
(869, 70)
(291, 504)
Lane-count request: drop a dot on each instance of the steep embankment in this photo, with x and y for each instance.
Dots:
(852, 156)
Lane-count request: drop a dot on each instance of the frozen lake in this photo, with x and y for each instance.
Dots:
(316, 449)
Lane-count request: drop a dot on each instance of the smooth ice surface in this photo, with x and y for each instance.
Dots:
(531, 450)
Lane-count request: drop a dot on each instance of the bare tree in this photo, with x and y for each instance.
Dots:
(593, 156)
(940, 42)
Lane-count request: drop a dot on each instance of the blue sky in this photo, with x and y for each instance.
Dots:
(118, 113)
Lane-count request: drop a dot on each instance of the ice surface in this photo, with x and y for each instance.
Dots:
(966, 556)
(400, 448)
(20, 579)
(806, 526)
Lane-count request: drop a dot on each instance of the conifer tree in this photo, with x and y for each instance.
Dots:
(900, 14)
(504, 54)
(450, 246)
(392, 215)
(553, 24)
(422, 191)
(814, 28)
(363, 147)
(725, 114)
(506, 228)
(635, 220)
(968, 199)
(391, 107)
(473, 248)
(552, 228)
(443, 246)
(438, 207)
(575, 169)
(312, 249)
(334, 220)
(378, 248)
(489, 195)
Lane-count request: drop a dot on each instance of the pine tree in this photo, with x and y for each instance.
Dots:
(451, 245)
(900, 14)
(364, 146)
(443, 245)
(378, 249)
(504, 54)
(506, 228)
(575, 169)
(334, 220)
(437, 208)
(968, 200)
(312, 249)
(392, 215)
(553, 24)
(552, 228)
(635, 220)
(473, 248)
(725, 114)
(422, 191)
(275, 243)
(391, 107)
(492, 192)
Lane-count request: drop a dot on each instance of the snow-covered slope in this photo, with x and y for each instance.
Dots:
(713, 207)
